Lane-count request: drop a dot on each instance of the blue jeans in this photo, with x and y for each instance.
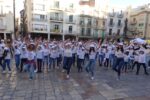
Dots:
(91, 66)
(17, 60)
(118, 66)
(52, 62)
(6, 62)
(101, 58)
(30, 69)
(67, 64)
(112, 59)
(45, 61)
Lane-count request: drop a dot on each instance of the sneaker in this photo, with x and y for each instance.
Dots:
(4, 72)
(9, 72)
(92, 78)
(67, 76)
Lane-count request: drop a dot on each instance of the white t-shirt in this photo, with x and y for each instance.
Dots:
(81, 54)
(92, 55)
(31, 55)
(119, 54)
(24, 54)
(142, 58)
(39, 54)
(46, 52)
(68, 53)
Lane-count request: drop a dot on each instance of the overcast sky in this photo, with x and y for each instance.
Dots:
(117, 3)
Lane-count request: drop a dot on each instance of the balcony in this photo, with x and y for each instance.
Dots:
(2, 27)
(56, 8)
(111, 24)
(70, 21)
(82, 23)
(119, 25)
(120, 15)
(111, 14)
(69, 9)
(70, 32)
(89, 24)
(2, 15)
(40, 29)
(35, 19)
(56, 19)
(56, 31)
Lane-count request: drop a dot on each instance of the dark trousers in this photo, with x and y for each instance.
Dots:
(118, 66)
(67, 64)
(134, 64)
(80, 64)
(106, 64)
(23, 61)
(138, 68)
(1, 59)
(59, 60)
(39, 65)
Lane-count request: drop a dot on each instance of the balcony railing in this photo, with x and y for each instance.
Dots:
(35, 19)
(111, 24)
(39, 29)
(119, 25)
(56, 8)
(56, 31)
(56, 19)
(70, 32)
(82, 23)
(111, 14)
(89, 24)
(120, 15)
(2, 27)
(70, 9)
(71, 21)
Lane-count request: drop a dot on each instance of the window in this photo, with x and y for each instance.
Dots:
(71, 18)
(110, 31)
(56, 16)
(82, 31)
(111, 21)
(141, 25)
(39, 17)
(56, 4)
(39, 27)
(70, 29)
(82, 22)
(56, 27)
(39, 7)
(119, 22)
(118, 32)
(71, 5)
(89, 22)
(88, 31)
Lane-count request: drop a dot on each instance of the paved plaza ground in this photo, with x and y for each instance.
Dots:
(53, 85)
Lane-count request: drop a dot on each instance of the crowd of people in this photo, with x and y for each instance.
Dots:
(33, 56)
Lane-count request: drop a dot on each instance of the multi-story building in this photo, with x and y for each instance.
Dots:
(6, 19)
(61, 20)
(139, 22)
(115, 24)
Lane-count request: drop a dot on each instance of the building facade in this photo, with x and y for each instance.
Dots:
(115, 24)
(57, 19)
(139, 22)
(6, 19)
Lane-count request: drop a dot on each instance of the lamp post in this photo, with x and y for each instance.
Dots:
(14, 8)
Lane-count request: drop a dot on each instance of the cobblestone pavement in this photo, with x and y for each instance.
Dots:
(53, 85)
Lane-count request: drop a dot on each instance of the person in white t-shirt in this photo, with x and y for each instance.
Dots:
(142, 62)
(92, 61)
(80, 58)
(68, 54)
(17, 56)
(31, 55)
(39, 57)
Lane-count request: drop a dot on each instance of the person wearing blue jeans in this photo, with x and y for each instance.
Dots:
(7, 59)
(92, 61)
(119, 60)
(6, 63)
(17, 60)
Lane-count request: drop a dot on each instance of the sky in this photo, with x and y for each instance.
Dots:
(117, 3)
